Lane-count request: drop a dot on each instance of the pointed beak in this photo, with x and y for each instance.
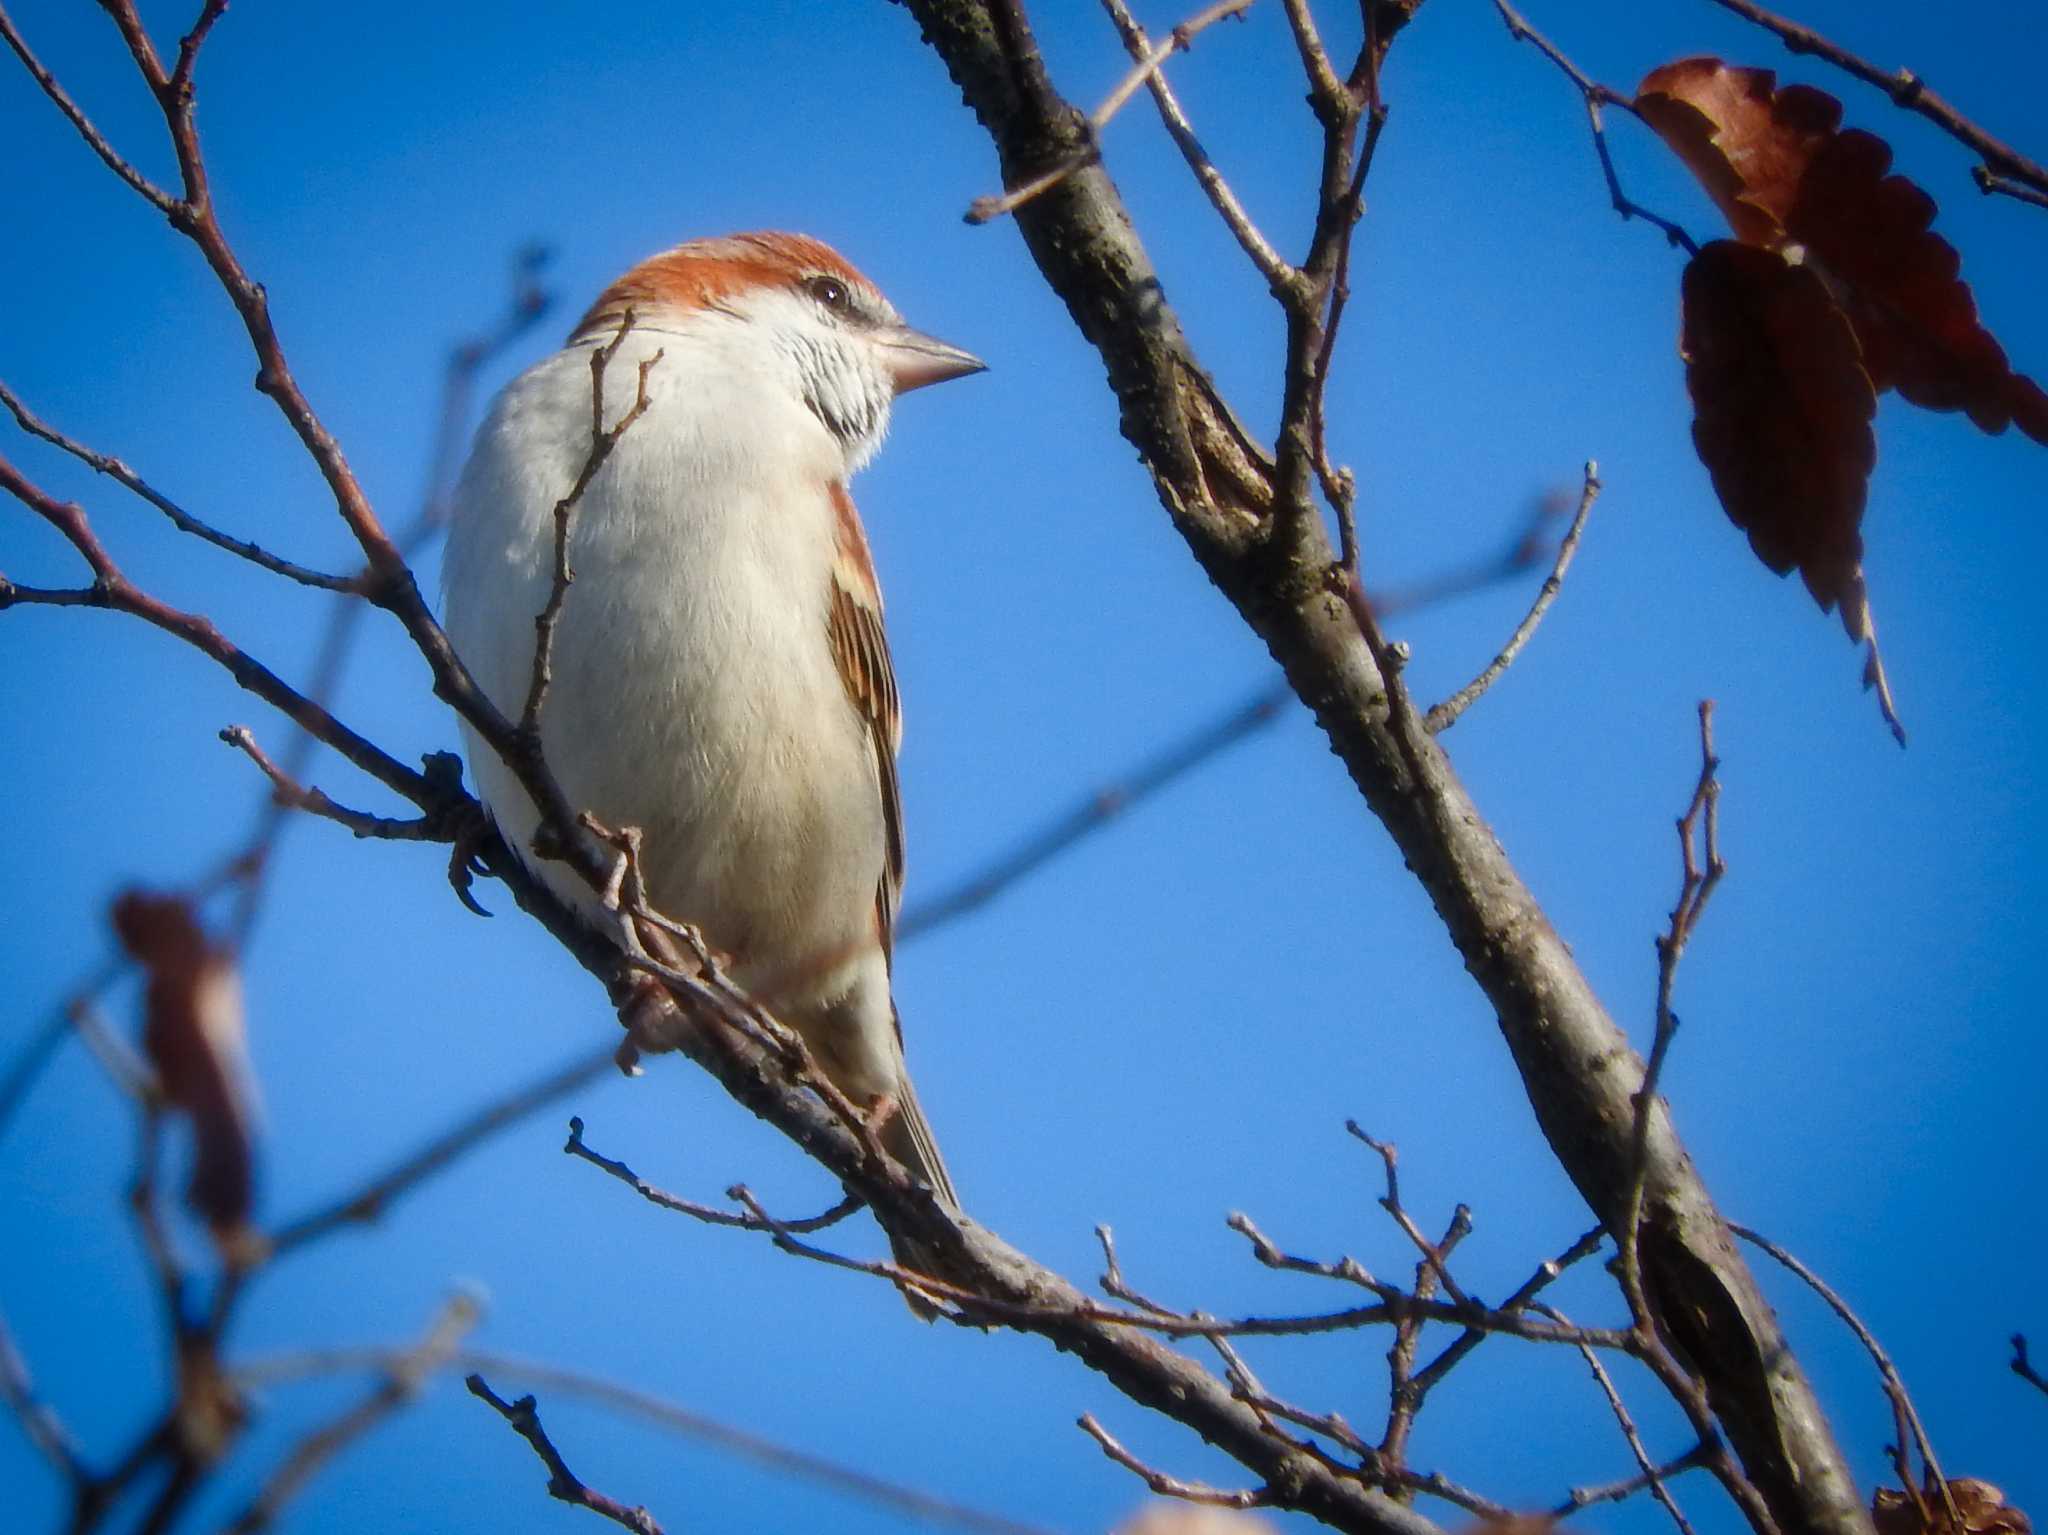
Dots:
(915, 359)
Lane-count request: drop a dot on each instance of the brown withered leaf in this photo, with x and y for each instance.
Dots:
(192, 1034)
(1781, 418)
(1913, 313)
(1981, 1509)
(1747, 142)
(1782, 170)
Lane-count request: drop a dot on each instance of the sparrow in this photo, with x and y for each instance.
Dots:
(720, 674)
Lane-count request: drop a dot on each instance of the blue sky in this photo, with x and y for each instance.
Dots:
(1176, 1021)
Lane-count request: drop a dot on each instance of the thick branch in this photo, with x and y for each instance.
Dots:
(1576, 1065)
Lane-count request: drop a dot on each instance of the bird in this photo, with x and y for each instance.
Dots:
(721, 678)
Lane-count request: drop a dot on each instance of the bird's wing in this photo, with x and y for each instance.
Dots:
(861, 650)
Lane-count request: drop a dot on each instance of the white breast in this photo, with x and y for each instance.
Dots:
(694, 691)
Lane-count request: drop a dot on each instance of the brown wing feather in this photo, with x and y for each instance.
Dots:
(861, 649)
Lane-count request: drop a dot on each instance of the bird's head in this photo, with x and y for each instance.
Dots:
(843, 347)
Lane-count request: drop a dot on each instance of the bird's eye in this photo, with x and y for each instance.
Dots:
(830, 292)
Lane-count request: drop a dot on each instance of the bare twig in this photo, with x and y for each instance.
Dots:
(1992, 185)
(1445, 714)
(1172, 1486)
(1397, 1302)
(528, 302)
(296, 796)
(111, 589)
(563, 1484)
(984, 209)
(181, 519)
(1596, 97)
(2022, 1368)
(1651, 1472)
(1432, 1253)
(1404, 1398)
(775, 1456)
(1894, 1383)
(1907, 90)
(403, 1379)
(1701, 871)
(1279, 274)
(1535, 1284)
(369, 1202)
(710, 1214)
(39, 1420)
(602, 440)
(1628, 1487)
(1107, 803)
(143, 187)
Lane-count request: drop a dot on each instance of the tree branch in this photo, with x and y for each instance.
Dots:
(563, 1484)
(1576, 1065)
(2002, 163)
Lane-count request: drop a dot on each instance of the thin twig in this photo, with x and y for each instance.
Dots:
(1596, 97)
(1994, 185)
(2022, 1368)
(1280, 275)
(369, 1201)
(1701, 869)
(563, 1484)
(1432, 1253)
(711, 1215)
(1652, 1474)
(1472, 1337)
(1404, 1399)
(1628, 1487)
(1103, 805)
(775, 1456)
(528, 302)
(182, 520)
(1909, 91)
(315, 802)
(1445, 714)
(1894, 1383)
(602, 440)
(148, 190)
(39, 1420)
(403, 1379)
(984, 209)
(1172, 1486)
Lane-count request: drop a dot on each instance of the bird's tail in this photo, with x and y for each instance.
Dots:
(908, 1138)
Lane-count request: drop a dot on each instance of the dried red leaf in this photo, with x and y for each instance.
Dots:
(1981, 1509)
(1747, 142)
(1779, 167)
(1915, 317)
(192, 1034)
(1781, 418)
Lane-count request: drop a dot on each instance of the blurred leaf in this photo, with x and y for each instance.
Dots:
(193, 1036)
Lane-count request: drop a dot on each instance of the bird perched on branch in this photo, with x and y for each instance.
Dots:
(719, 676)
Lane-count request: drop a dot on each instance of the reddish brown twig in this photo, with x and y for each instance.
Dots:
(2003, 165)
(563, 1484)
